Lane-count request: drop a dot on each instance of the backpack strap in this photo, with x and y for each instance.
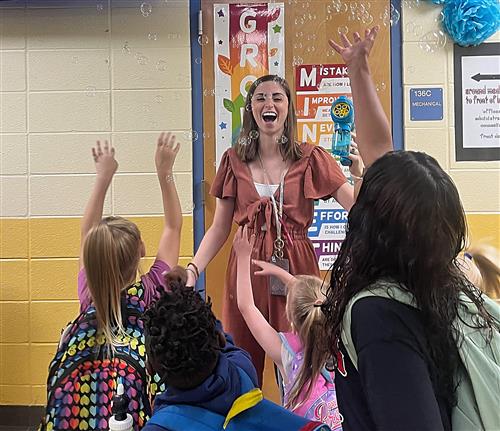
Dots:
(383, 288)
(291, 342)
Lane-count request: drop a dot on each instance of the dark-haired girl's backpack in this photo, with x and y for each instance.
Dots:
(85, 371)
(478, 382)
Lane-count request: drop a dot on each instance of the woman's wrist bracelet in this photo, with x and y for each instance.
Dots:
(195, 269)
(192, 272)
(356, 178)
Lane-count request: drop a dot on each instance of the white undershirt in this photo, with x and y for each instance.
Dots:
(265, 190)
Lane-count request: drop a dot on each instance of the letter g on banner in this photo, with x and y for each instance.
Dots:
(251, 24)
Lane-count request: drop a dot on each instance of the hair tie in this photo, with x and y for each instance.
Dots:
(318, 303)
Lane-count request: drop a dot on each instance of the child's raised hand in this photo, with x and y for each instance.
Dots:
(265, 268)
(166, 151)
(104, 159)
(242, 244)
(360, 48)
(357, 167)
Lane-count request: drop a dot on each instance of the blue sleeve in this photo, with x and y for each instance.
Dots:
(239, 357)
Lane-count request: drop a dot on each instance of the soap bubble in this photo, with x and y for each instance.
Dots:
(343, 29)
(410, 4)
(191, 135)
(253, 134)
(126, 48)
(141, 59)
(161, 65)
(146, 9)
(152, 36)
(394, 15)
(367, 18)
(203, 39)
(432, 41)
(90, 91)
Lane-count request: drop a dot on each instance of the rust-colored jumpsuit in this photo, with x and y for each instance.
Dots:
(315, 176)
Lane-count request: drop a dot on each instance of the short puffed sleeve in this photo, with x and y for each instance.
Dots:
(323, 175)
(224, 185)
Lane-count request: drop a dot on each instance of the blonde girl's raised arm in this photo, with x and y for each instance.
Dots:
(264, 333)
(166, 151)
(105, 167)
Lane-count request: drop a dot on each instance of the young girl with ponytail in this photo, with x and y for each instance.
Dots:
(301, 355)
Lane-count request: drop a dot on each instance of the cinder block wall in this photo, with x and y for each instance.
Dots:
(72, 72)
(478, 182)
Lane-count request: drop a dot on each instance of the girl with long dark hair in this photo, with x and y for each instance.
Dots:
(406, 229)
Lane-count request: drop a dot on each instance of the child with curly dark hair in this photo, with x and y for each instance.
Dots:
(211, 383)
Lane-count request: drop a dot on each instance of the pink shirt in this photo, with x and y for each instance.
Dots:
(152, 279)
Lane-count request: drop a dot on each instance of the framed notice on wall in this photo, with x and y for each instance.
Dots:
(477, 102)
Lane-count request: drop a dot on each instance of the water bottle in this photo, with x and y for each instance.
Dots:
(342, 113)
(121, 419)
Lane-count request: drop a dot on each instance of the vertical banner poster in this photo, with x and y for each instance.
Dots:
(317, 86)
(248, 43)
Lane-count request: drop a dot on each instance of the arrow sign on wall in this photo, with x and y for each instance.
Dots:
(478, 77)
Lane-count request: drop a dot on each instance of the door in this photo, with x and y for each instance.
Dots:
(308, 26)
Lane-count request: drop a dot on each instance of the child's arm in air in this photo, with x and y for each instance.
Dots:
(105, 167)
(166, 151)
(372, 127)
(267, 269)
(263, 332)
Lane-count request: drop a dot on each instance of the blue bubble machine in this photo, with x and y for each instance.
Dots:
(342, 113)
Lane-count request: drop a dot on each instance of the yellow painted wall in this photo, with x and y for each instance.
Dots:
(430, 64)
(70, 75)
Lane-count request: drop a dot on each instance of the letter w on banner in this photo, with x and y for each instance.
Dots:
(248, 43)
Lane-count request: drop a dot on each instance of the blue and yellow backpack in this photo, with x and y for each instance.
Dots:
(249, 412)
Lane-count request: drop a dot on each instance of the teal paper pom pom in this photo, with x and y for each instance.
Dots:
(471, 22)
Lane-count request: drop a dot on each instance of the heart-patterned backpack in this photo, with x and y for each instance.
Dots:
(84, 373)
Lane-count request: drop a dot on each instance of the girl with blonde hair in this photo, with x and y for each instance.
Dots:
(301, 355)
(112, 247)
(105, 345)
